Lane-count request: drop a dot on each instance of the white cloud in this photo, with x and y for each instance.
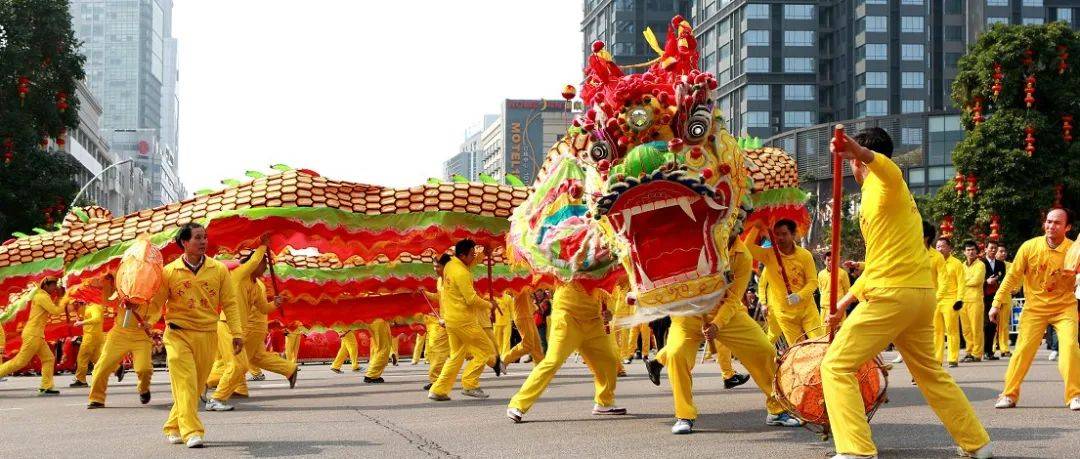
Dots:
(372, 92)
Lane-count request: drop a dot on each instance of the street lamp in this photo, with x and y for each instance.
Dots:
(99, 174)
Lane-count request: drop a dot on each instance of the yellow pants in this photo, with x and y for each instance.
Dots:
(1003, 319)
(902, 316)
(381, 347)
(773, 326)
(799, 323)
(89, 351)
(529, 345)
(740, 334)
(502, 339)
(489, 332)
(3, 343)
(118, 343)
(971, 318)
(1033, 324)
(418, 348)
(644, 332)
(613, 336)
(235, 366)
(946, 328)
(569, 334)
(260, 358)
(348, 349)
(31, 347)
(190, 355)
(438, 350)
(292, 346)
(723, 358)
(464, 340)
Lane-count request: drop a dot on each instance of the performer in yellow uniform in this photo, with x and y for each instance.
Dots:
(193, 287)
(459, 305)
(772, 327)
(526, 326)
(730, 325)
(42, 305)
(253, 291)
(971, 316)
(791, 291)
(899, 308)
(93, 337)
(126, 336)
(843, 285)
(1049, 299)
(349, 348)
(418, 346)
(1005, 314)
(437, 343)
(642, 331)
(503, 323)
(577, 324)
(381, 347)
(292, 343)
(950, 289)
(494, 360)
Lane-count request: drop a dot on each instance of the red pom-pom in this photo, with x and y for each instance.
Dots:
(707, 173)
(597, 46)
(675, 145)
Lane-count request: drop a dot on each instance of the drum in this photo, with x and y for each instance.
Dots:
(139, 275)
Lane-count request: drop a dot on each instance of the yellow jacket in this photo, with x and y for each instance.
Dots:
(763, 287)
(974, 276)
(890, 224)
(843, 282)
(1040, 269)
(458, 302)
(41, 308)
(93, 320)
(258, 320)
(506, 306)
(572, 298)
(741, 265)
(951, 284)
(801, 275)
(192, 300)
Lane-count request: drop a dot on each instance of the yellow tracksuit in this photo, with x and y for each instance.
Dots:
(250, 296)
(799, 320)
(3, 343)
(33, 339)
(418, 346)
(258, 328)
(971, 317)
(191, 318)
(735, 329)
(577, 325)
(349, 348)
(125, 337)
(460, 305)
(483, 318)
(899, 308)
(530, 336)
(722, 354)
(92, 339)
(292, 346)
(1048, 300)
(950, 287)
(503, 323)
(1003, 319)
(843, 282)
(772, 327)
(438, 347)
(380, 348)
(632, 334)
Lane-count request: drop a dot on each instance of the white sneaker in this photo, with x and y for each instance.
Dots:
(195, 441)
(1074, 404)
(475, 393)
(514, 414)
(1005, 402)
(682, 426)
(174, 439)
(599, 410)
(852, 456)
(899, 359)
(438, 397)
(1053, 356)
(982, 453)
(216, 405)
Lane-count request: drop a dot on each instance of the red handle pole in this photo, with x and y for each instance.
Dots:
(273, 280)
(837, 196)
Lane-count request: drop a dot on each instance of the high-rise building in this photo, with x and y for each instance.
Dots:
(620, 24)
(131, 68)
(458, 165)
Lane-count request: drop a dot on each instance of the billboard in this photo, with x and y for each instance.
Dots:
(523, 134)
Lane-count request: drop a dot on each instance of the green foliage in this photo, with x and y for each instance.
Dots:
(1012, 184)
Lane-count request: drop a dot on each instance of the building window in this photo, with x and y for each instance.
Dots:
(912, 2)
(798, 38)
(951, 59)
(624, 5)
(877, 2)
(997, 2)
(954, 6)
(756, 64)
(623, 49)
(876, 23)
(873, 79)
(910, 52)
(798, 119)
(1033, 21)
(624, 26)
(757, 11)
(913, 80)
(912, 105)
(1033, 2)
(756, 119)
(1064, 14)
(798, 11)
(873, 52)
(798, 92)
(996, 20)
(917, 176)
(757, 92)
(799, 64)
(756, 38)
(954, 33)
(911, 24)
(877, 108)
(911, 136)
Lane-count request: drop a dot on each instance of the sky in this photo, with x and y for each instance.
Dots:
(365, 91)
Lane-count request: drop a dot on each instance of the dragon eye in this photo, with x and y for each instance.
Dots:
(698, 124)
(600, 151)
(639, 119)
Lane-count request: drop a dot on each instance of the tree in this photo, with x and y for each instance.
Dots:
(1019, 87)
(39, 69)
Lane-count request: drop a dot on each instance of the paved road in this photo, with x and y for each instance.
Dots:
(335, 415)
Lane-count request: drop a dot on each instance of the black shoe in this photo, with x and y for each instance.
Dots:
(336, 370)
(498, 366)
(736, 381)
(49, 391)
(78, 383)
(292, 379)
(654, 367)
(94, 405)
(120, 373)
(967, 359)
(393, 360)
(378, 380)
(144, 397)
(991, 357)
(622, 374)
(427, 386)
(953, 364)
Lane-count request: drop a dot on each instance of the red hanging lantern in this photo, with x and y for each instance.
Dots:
(24, 88)
(1029, 58)
(959, 183)
(947, 226)
(1059, 190)
(61, 101)
(569, 92)
(1063, 56)
(972, 187)
(1029, 141)
(1066, 128)
(976, 111)
(997, 80)
(60, 140)
(995, 228)
(1029, 91)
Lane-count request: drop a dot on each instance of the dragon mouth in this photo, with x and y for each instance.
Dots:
(669, 225)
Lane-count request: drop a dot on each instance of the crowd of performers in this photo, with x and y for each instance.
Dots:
(912, 292)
